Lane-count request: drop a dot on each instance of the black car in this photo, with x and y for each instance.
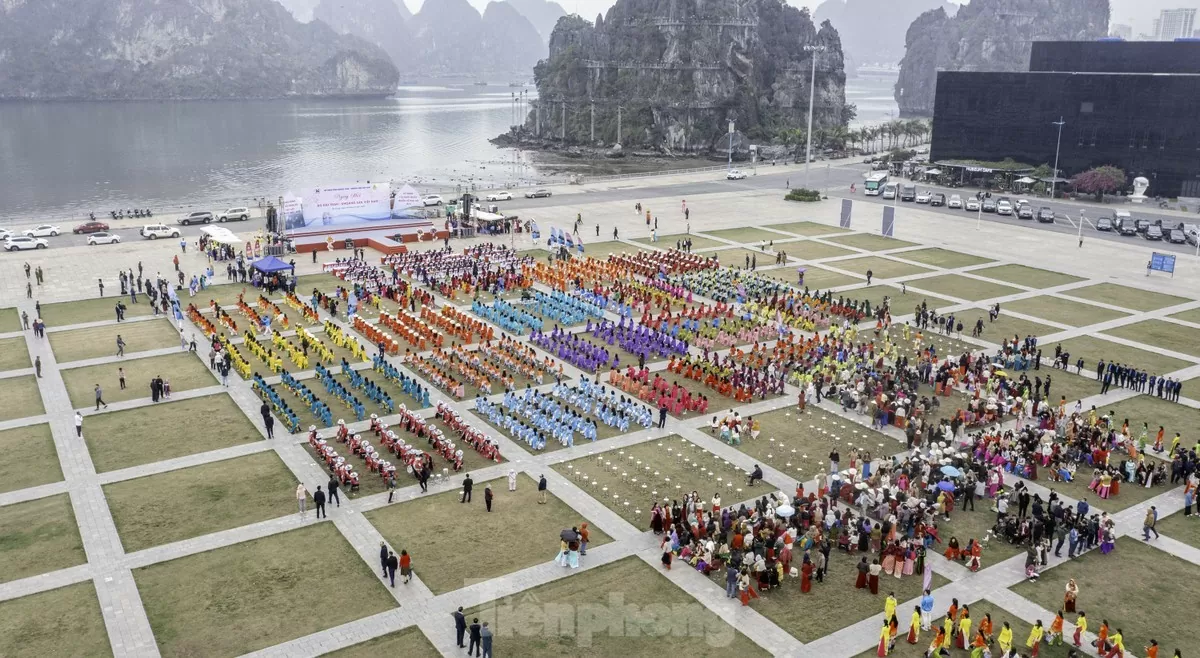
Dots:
(1127, 228)
(1177, 236)
(1153, 232)
(1142, 225)
(1104, 224)
(989, 205)
(938, 199)
(1045, 215)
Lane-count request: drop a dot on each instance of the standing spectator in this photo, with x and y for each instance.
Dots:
(583, 538)
(302, 498)
(333, 492)
(541, 490)
(468, 483)
(100, 398)
(476, 636)
(78, 424)
(391, 485)
(25, 319)
(121, 377)
(460, 627)
(319, 503)
(383, 557)
(392, 563)
(269, 421)
(662, 415)
(100, 282)
(512, 479)
(405, 566)
(120, 345)
(487, 497)
(37, 365)
(485, 635)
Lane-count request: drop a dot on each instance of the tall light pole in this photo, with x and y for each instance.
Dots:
(812, 93)
(731, 129)
(1058, 145)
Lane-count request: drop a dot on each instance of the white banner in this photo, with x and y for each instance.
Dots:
(347, 204)
(292, 212)
(407, 197)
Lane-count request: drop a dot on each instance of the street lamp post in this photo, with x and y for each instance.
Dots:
(1058, 145)
(731, 129)
(1080, 232)
(978, 213)
(812, 93)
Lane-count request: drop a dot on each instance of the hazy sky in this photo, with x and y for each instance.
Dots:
(1138, 13)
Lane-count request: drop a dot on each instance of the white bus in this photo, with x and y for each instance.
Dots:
(874, 183)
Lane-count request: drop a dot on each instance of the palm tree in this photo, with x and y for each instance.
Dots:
(896, 130)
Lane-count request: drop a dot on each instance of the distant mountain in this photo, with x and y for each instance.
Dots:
(378, 21)
(872, 31)
(179, 49)
(405, 13)
(449, 37)
(513, 43)
(302, 10)
(544, 14)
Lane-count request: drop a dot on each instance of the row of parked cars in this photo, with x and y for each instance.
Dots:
(1123, 223)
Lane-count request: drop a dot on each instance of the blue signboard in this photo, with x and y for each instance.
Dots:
(1161, 263)
(889, 221)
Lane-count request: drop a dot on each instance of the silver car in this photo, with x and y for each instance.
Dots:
(954, 202)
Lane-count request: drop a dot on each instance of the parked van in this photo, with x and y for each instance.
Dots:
(889, 191)
(908, 193)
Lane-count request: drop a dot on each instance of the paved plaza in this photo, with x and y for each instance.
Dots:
(171, 527)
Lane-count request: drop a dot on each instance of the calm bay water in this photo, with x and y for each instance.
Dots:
(68, 159)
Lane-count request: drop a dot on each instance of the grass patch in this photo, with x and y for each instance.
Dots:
(133, 437)
(944, 258)
(737, 256)
(184, 370)
(870, 242)
(1092, 349)
(644, 608)
(243, 597)
(881, 268)
(1152, 577)
(902, 303)
(1066, 311)
(1130, 494)
(806, 228)
(10, 319)
(809, 250)
(1182, 528)
(1172, 416)
(430, 529)
(21, 396)
(190, 502)
(1126, 297)
(978, 609)
(1005, 326)
(1188, 316)
(1160, 333)
(95, 342)
(61, 622)
(34, 458)
(963, 287)
(602, 250)
(1073, 387)
(63, 314)
(799, 444)
(668, 241)
(815, 278)
(1030, 277)
(747, 235)
(410, 642)
(39, 536)
(14, 354)
(659, 475)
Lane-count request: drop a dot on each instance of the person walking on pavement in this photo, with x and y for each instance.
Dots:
(28, 290)
(485, 635)
(476, 636)
(269, 422)
(302, 499)
(319, 502)
(1149, 522)
(333, 492)
(541, 490)
(487, 497)
(468, 483)
(37, 365)
(383, 557)
(78, 424)
(460, 627)
(120, 345)
(392, 563)
(406, 566)
(100, 398)
(100, 282)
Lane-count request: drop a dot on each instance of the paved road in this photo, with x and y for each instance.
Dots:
(834, 177)
(129, 229)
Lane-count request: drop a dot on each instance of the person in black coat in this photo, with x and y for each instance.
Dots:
(460, 627)
(333, 491)
(319, 502)
(487, 497)
(383, 557)
(467, 485)
(392, 564)
(475, 638)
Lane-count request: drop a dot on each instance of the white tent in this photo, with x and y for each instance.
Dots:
(933, 172)
(220, 235)
(1025, 180)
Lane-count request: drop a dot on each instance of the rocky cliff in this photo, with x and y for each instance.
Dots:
(377, 21)
(543, 14)
(179, 49)
(680, 70)
(868, 28)
(988, 35)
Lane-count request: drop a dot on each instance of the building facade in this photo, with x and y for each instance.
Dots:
(1145, 122)
(1174, 24)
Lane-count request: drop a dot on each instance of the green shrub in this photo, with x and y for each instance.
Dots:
(801, 194)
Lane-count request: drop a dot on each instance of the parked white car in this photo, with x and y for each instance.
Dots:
(500, 196)
(155, 231)
(104, 238)
(1004, 207)
(972, 204)
(924, 197)
(43, 231)
(954, 202)
(22, 242)
(735, 174)
(433, 200)
(234, 215)
(5, 233)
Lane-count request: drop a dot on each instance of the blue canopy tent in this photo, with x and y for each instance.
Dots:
(271, 265)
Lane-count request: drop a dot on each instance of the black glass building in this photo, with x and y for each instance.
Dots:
(1143, 122)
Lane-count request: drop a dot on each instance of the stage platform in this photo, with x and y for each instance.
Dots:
(388, 240)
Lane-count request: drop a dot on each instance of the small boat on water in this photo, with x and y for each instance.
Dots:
(481, 84)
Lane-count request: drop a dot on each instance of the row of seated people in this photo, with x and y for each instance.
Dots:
(438, 376)
(478, 372)
(574, 273)
(316, 405)
(346, 341)
(719, 333)
(267, 394)
(340, 392)
(511, 356)
(577, 351)
(674, 261)
(728, 378)
(236, 360)
(411, 329)
(677, 399)
(309, 341)
(637, 339)
(260, 322)
(206, 326)
(613, 409)
(510, 318)
(310, 314)
(386, 343)
(458, 323)
(270, 308)
(273, 361)
(298, 356)
(484, 444)
(560, 307)
(410, 385)
(601, 299)
(338, 466)
(726, 285)
(415, 460)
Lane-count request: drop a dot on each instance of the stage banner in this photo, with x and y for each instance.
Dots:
(347, 205)
(847, 205)
(407, 204)
(889, 221)
(293, 212)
